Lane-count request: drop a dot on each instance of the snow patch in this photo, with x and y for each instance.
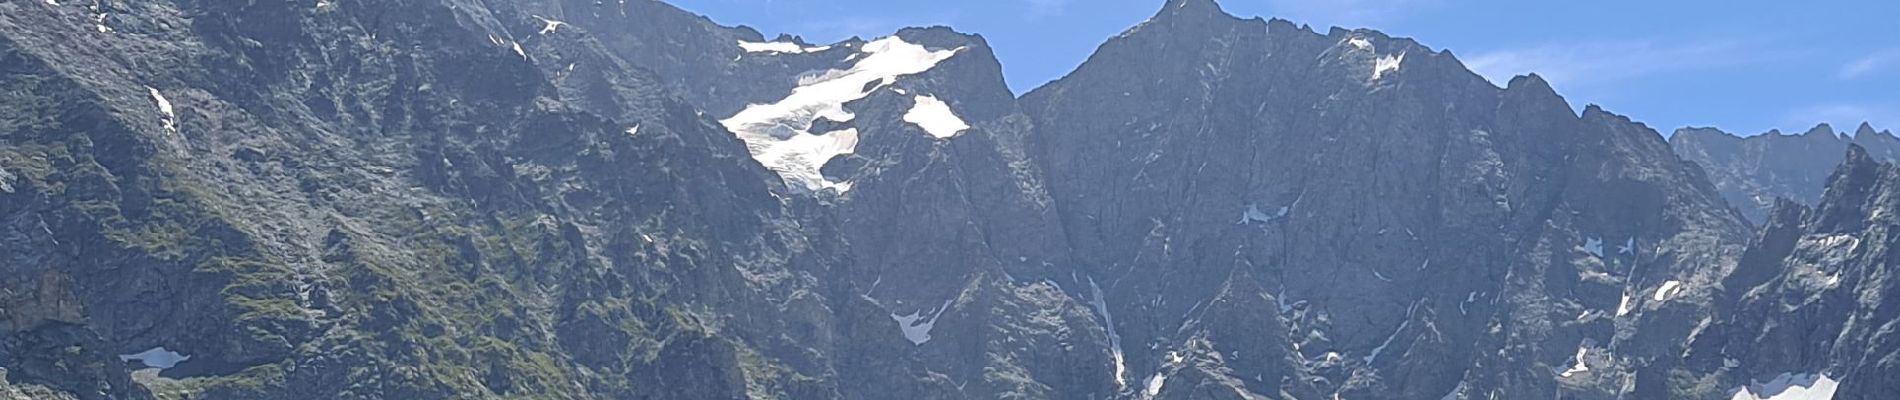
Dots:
(935, 117)
(157, 357)
(170, 119)
(1579, 367)
(1386, 65)
(1360, 43)
(779, 134)
(1253, 214)
(1628, 247)
(782, 47)
(1154, 384)
(1670, 288)
(1623, 308)
(1395, 334)
(916, 326)
(1594, 246)
(518, 51)
(551, 26)
(1790, 387)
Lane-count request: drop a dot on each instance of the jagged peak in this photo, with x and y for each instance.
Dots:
(942, 36)
(1866, 129)
(1822, 130)
(1702, 130)
(1530, 83)
(1199, 6)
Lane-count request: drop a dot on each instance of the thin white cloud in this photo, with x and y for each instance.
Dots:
(1043, 8)
(1845, 116)
(1872, 62)
(1344, 13)
(1597, 63)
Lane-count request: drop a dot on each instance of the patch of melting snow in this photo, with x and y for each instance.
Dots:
(1628, 247)
(1386, 65)
(781, 47)
(916, 326)
(1253, 214)
(634, 131)
(517, 48)
(1579, 367)
(1473, 296)
(1594, 246)
(1114, 339)
(157, 357)
(170, 120)
(552, 25)
(1790, 386)
(935, 117)
(779, 134)
(1670, 288)
(1623, 308)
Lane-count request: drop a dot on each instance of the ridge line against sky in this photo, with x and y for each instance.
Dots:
(1742, 66)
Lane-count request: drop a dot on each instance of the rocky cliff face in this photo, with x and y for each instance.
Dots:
(1753, 172)
(1422, 233)
(620, 199)
(1812, 298)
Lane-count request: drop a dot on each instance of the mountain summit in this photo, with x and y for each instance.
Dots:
(567, 199)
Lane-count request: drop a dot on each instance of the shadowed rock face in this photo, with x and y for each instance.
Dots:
(566, 199)
(1753, 172)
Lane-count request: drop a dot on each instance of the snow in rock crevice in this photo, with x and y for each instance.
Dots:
(551, 25)
(1154, 384)
(779, 47)
(1594, 246)
(1668, 289)
(1108, 324)
(917, 326)
(935, 117)
(170, 118)
(1624, 307)
(1376, 351)
(779, 135)
(1790, 386)
(156, 357)
(1580, 367)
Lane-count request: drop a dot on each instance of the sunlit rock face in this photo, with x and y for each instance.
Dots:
(621, 199)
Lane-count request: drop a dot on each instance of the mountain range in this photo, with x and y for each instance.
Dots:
(564, 199)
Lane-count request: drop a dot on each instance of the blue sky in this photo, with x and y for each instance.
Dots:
(1745, 66)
